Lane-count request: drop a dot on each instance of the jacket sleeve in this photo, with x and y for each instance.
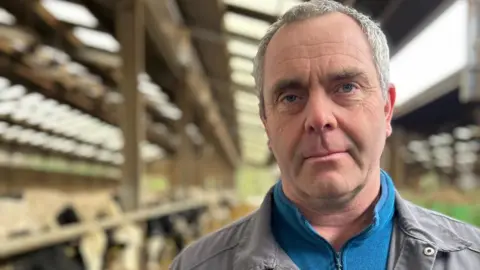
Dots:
(176, 264)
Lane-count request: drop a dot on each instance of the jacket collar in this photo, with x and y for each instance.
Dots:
(259, 250)
(425, 225)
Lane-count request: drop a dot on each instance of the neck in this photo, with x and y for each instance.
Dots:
(339, 219)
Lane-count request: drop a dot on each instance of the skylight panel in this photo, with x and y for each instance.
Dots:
(86, 150)
(13, 92)
(255, 136)
(113, 98)
(241, 64)
(236, 47)
(245, 26)
(4, 83)
(269, 7)
(117, 158)
(250, 119)
(113, 144)
(152, 91)
(194, 133)
(35, 109)
(170, 111)
(6, 17)
(246, 101)
(152, 152)
(288, 4)
(419, 65)
(12, 132)
(247, 107)
(39, 139)
(53, 54)
(3, 127)
(70, 12)
(244, 79)
(104, 155)
(25, 136)
(97, 39)
(78, 69)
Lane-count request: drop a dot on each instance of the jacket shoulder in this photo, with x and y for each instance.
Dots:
(213, 248)
(430, 219)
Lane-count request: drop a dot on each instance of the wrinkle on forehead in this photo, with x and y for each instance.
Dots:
(302, 38)
(311, 52)
(296, 45)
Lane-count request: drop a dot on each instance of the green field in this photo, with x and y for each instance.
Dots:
(462, 206)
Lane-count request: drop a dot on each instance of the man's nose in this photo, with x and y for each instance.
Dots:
(319, 113)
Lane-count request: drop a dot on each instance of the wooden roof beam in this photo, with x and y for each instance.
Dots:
(174, 45)
(350, 3)
(29, 12)
(389, 10)
(82, 54)
(113, 62)
(251, 13)
(94, 107)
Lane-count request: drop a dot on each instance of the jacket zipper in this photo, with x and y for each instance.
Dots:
(338, 261)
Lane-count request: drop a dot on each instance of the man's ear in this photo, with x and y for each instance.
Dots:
(389, 106)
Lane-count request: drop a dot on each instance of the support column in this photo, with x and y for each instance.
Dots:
(183, 165)
(208, 170)
(230, 177)
(199, 165)
(470, 90)
(396, 160)
(131, 34)
(225, 173)
(215, 171)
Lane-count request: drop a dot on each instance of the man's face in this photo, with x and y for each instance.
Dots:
(326, 117)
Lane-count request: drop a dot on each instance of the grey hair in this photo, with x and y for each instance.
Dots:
(314, 8)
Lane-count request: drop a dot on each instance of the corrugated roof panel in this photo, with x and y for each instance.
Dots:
(243, 79)
(237, 47)
(6, 17)
(241, 64)
(70, 12)
(270, 7)
(245, 26)
(96, 39)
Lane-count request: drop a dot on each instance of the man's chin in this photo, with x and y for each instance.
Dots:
(329, 185)
(329, 197)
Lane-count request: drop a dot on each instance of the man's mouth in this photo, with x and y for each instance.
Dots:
(325, 155)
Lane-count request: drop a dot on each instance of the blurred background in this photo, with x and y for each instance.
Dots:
(130, 128)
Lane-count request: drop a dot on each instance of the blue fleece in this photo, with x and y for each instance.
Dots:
(308, 250)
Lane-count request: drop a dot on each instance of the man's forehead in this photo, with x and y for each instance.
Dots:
(328, 31)
(335, 35)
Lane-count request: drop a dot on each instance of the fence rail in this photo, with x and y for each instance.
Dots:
(25, 244)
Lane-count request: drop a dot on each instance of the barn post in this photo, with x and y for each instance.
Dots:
(131, 34)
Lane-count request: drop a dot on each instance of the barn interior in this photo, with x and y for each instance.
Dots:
(130, 128)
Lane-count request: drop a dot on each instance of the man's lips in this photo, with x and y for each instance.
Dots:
(324, 155)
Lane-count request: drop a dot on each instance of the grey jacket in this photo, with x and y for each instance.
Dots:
(421, 239)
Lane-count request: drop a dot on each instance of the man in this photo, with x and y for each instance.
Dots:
(326, 104)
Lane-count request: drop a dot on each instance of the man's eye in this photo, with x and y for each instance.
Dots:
(289, 98)
(347, 87)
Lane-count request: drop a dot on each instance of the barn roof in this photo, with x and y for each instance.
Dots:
(65, 53)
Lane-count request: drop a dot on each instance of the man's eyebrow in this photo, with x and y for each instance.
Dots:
(280, 85)
(346, 74)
